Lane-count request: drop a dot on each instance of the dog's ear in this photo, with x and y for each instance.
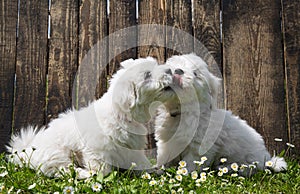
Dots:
(127, 63)
(213, 82)
(131, 62)
(125, 87)
(127, 98)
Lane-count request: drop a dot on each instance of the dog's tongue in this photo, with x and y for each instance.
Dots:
(177, 80)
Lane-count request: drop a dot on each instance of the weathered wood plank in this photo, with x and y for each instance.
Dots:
(122, 15)
(207, 30)
(253, 66)
(8, 39)
(62, 56)
(153, 38)
(152, 42)
(207, 35)
(179, 16)
(30, 99)
(93, 50)
(291, 26)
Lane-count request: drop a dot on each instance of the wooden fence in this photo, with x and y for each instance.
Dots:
(255, 43)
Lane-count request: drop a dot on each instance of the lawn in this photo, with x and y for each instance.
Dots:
(15, 179)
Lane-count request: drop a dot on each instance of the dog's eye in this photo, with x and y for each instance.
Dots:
(195, 73)
(147, 75)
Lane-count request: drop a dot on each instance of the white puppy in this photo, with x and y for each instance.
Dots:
(104, 134)
(189, 125)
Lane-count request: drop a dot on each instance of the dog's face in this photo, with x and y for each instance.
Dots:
(188, 81)
(137, 85)
(182, 80)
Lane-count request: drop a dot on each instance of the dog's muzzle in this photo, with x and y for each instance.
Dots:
(176, 77)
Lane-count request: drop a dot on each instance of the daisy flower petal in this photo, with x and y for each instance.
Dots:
(223, 160)
(96, 187)
(182, 164)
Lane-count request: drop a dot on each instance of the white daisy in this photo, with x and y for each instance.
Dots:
(68, 190)
(182, 164)
(269, 163)
(194, 175)
(225, 170)
(146, 176)
(96, 187)
(184, 171)
(220, 173)
(223, 160)
(161, 183)
(203, 178)
(152, 182)
(178, 177)
(203, 158)
(234, 166)
(179, 171)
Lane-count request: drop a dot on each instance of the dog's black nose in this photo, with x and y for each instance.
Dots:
(179, 71)
(168, 71)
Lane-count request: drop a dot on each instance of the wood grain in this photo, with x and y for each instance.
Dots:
(291, 27)
(93, 51)
(253, 66)
(8, 39)
(152, 42)
(122, 15)
(62, 56)
(30, 98)
(153, 38)
(207, 30)
(207, 35)
(179, 16)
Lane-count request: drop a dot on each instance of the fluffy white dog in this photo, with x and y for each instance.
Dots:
(189, 125)
(109, 132)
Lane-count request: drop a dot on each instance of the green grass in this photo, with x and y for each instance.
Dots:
(15, 179)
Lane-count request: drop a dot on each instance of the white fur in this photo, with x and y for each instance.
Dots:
(104, 134)
(188, 127)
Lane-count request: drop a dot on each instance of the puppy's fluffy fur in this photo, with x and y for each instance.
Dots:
(106, 133)
(110, 131)
(189, 125)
